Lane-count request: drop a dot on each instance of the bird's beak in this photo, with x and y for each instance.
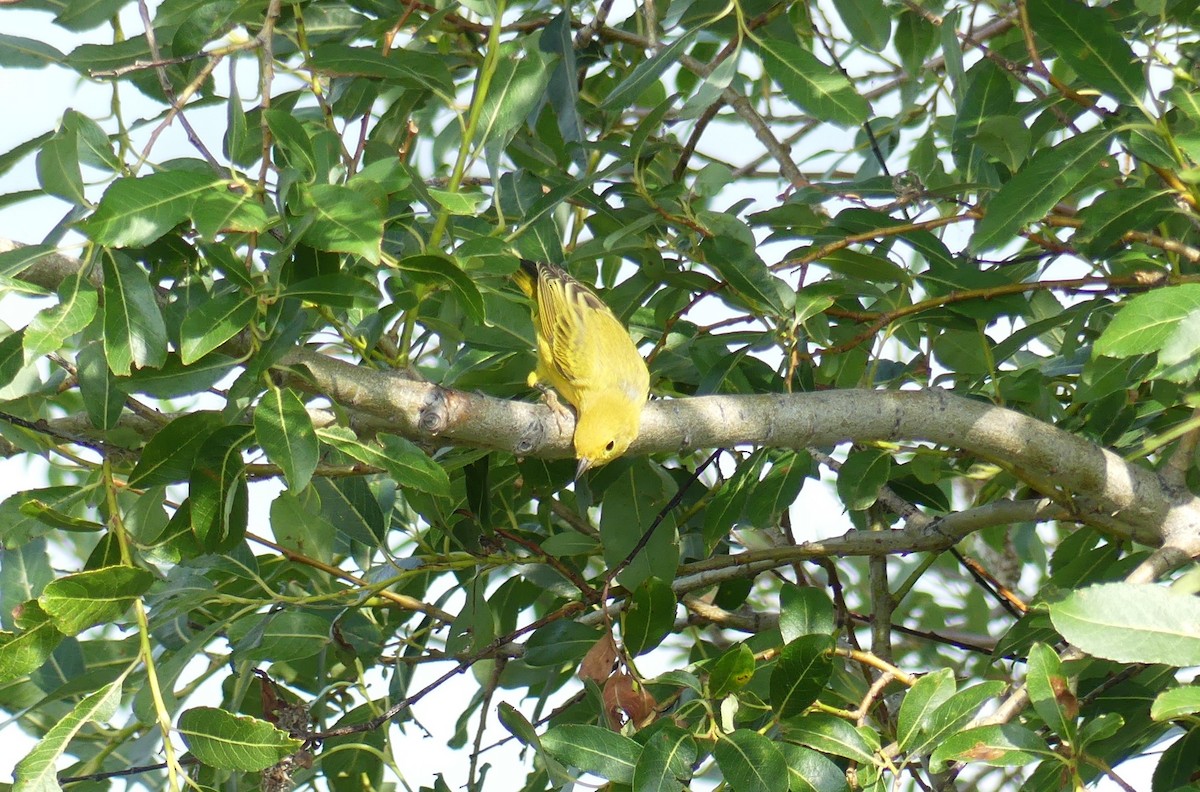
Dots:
(584, 465)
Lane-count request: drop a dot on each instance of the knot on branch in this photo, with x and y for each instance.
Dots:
(532, 436)
(434, 416)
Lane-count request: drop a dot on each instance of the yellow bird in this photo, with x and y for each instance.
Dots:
(586, 354)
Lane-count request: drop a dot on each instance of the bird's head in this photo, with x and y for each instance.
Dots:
(607, 424)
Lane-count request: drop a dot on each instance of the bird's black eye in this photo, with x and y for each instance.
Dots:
(610, 445)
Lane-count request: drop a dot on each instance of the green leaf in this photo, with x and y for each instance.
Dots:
(337, 290)
(779, 487)
(809, 771)
(1131, 623)
(520, 727)
(830, 735)
(801, 672)
(857, 265)
(58, 168)
(518, 86)
(1148, 322)
(461, 204)
(281, 637)
(666, 761)
(952, 52)
(136, 211)
(649, 617)
(227, 211)
(737, 262)
(39, 769)
(12, 356)
(562, 90)
(646, 73)
(1179, 358)
(1050, 691)
(1045, 180)
(476, 477)
(293, 142)
(569, 543)
(1005, 745)
(234, 742)
(964, 351)
(21, 257)
(134, 332)
(213, 323)
(818, 89)
(170, 454)
(732, 671)
(45, 511)
(958, 710)
(559, 643)
(351, 507)
(631, 504)
(1005, 138)
(343, 221)
(98, 596)
(25, 515)
(102, 399)
(726, 509)
(172, 379)
(750, 762)
(18, 52)
(50, 327)
(82, 15)
(805, 610)
(863, 475)
(593, 750)
(217, 487)
(298, 525)
(1082, 36)
(920, 702)
(23, 653)
(1115, 212)
(1176, 702)
(1101, 727)
(407, 464)
(869, 22)
(95, 147)
(987, 93)
(285, 432)
(24, 572)
(444, 271)
(404, 67)
(87, 58)
(1176, 768)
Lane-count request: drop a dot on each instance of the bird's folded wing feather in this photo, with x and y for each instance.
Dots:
(566, 309)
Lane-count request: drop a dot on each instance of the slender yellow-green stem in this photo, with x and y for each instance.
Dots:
(147, 650)
(1156, 442)
(486, 72)
(913, 577)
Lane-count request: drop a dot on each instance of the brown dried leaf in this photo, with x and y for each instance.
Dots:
(1065, 697)
(983, 752)
(612, 700)
(636, 701)
(597, 664)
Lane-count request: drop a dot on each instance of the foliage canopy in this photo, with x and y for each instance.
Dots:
(276, 364)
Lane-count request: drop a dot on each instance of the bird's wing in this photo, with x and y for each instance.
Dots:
(566, 309)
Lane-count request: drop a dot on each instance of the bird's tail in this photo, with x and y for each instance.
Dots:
(527, 276)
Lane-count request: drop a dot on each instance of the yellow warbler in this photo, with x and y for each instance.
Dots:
(587, 356)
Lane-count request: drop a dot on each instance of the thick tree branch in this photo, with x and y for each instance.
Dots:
(1093, 484)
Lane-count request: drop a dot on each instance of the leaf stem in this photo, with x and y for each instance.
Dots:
(486, 72)
(162, 714)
